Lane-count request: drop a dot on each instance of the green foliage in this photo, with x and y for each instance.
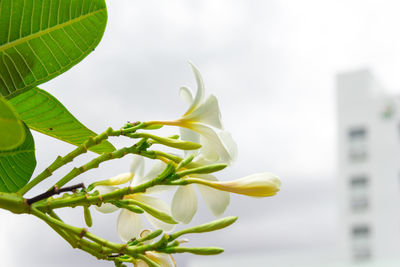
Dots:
(12, 132)
(42, 112)
(40, 39)
(17, 165)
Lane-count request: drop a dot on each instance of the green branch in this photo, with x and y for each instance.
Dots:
(61, 161)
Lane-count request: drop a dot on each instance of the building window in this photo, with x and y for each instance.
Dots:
(357, 133)
(359, 193)
(359, 182)
(357, 144)
(361, 242)
(361, 231)
(361, 253)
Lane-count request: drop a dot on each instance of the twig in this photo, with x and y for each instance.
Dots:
(54, 191)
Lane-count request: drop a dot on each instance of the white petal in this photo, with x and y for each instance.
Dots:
(164, 260)
(137, 168)
(159, 205)
(158, 189)
(217, 201)
(154, 202)
(208, 151)
(189, 135)
(140, 263)
(157, 224)
(230, 144)
(186, 95)
(107, 207)
(120, 179)
(157, 168)
(213, 147)
(184, 204)
(200, 90)
(207, 113)
(129, 225)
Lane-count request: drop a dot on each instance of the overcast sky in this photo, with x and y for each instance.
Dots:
(272, 65)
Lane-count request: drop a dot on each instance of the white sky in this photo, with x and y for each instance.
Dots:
(272, 65)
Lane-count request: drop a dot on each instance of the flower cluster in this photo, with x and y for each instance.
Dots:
(201, 124)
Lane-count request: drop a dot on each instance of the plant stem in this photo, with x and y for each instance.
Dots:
(98, 199)
(54, 191)
(61, 161)
(94, 163)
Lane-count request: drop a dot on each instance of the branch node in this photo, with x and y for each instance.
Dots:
(87, 198)
(123, 247)
(48, 170)
(101, 201)
(48, 205)
(27, 204)
(83, 232)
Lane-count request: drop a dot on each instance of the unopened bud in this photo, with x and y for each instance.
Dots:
(207, 227)
(88, 216)
(180, 144)
(153, 127)
(256, 185)
(185, 162)
(203, 169)
(162, 216)
(198, 251)
(116, 180)
(125, 205)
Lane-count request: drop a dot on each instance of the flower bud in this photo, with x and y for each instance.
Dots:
(207, 227)
(162, 216)
(197, 251)
(88, 216)
(116, 180)
(255, 185)
(203, 169)
(171, 142)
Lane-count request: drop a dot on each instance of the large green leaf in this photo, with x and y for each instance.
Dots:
(12, 132)
(40, 39)
(44, 113)
(17, 165)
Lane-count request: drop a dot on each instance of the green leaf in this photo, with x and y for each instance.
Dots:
(42, 112)
(12, 132)
(17, 165)
(40, 39)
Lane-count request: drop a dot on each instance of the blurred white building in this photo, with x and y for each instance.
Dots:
(369, 168)
(368, 186)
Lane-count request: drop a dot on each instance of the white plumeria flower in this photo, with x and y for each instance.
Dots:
(129, 223)
(184, 202)
(164, 260)
(201, 117)
(204, 117)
